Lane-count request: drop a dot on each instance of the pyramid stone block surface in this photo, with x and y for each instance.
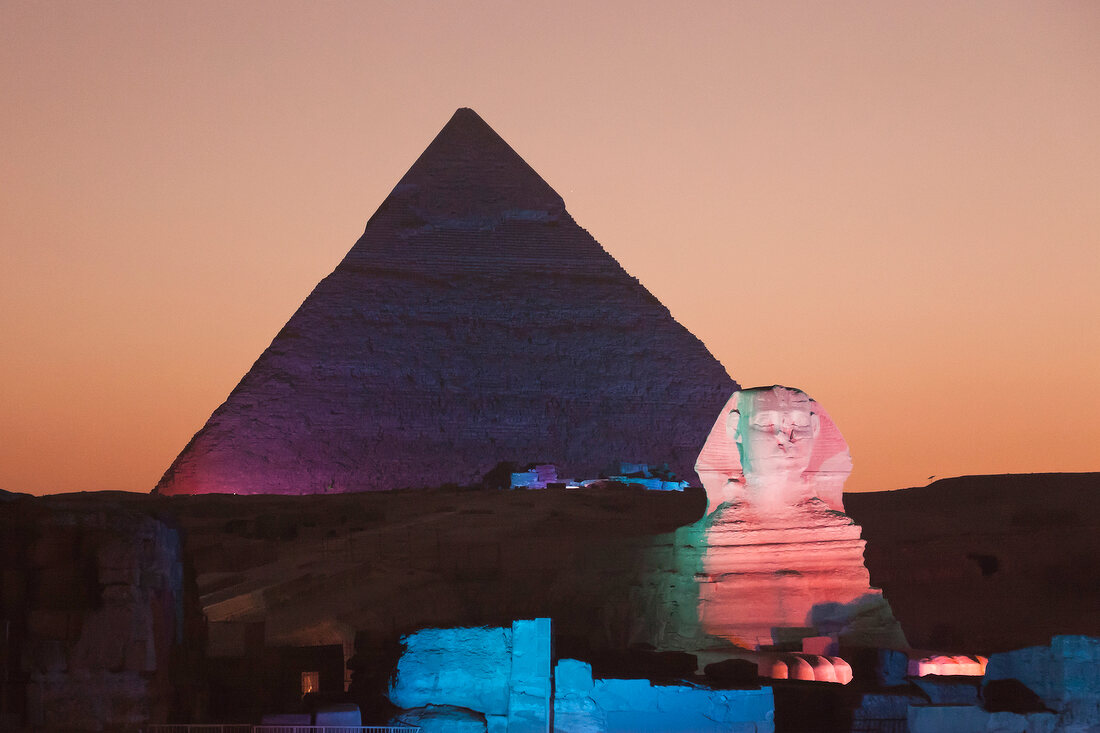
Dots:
(473, 322)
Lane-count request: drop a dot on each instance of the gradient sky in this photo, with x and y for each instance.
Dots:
(893, 206)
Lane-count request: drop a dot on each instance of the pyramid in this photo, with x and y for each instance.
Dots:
(473, 322)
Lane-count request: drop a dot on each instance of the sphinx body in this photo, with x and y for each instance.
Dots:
(781, 560)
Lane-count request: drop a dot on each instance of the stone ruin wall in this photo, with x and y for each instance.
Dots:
(94, 605)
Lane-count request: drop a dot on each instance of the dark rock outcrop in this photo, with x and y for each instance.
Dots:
(984, 564)
(95, 608)
(473, 322)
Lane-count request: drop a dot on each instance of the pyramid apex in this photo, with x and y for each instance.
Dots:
(469, 175)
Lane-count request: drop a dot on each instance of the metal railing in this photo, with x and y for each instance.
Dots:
(243, 728)
(334, 729)
(199, 728)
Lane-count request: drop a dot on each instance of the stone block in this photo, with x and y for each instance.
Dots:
(1015, 723)
(529, 683)
(733, 672)
(819, 645)
(885, 706)
(1080, 661)
(117, 562)
(572, 676)
(48, 623)
(226, 639)
(683, 700)
(341, 715)
(891, 669)
(577, 713)
(1066, 670)
(624, 695)
(950, 690)
(530, 649)
(443, 719)
(463, 667)
(947, 719)
(743, 706)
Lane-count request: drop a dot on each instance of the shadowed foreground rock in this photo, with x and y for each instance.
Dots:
(95, 609)
(985, 564)
(292, 584)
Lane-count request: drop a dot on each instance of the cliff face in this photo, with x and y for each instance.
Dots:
(94, 603)
(473, 322)
(984, 564)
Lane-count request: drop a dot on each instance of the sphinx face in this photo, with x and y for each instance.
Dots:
(775, 431)
(773, 447)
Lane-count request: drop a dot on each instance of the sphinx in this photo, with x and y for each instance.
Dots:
(780, 559)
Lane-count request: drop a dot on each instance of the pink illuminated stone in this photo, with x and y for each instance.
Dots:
(801, 666)
(772, 668)
(823, 668)
(842, 669)
(773, 447)
(941, 664)
(779, 553)
(820, 645)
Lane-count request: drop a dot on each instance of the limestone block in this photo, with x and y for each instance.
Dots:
(735, 671)
(885, 706)
(949, 690)
(624, 695)
(58, 546)
(947, 719)
(820, 645)
(892, 667)
(1030, 723)
(1079, 658)
(443, 719)
(47, 623)
(574, 709)
(529, 683)
(842, 670)
(578, 714)
(631, 721)
(91, 702)
(116, 562)
(573, 676)
(744, 706)
(1069, 668)
(462, 667)
(338, 715)
(683, 700)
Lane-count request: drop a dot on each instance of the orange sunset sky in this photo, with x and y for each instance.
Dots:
(894, 206)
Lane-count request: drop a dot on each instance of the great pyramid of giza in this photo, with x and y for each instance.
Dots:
(473, 322)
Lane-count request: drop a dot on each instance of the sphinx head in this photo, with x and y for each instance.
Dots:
(774, 429)
(773, 447)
